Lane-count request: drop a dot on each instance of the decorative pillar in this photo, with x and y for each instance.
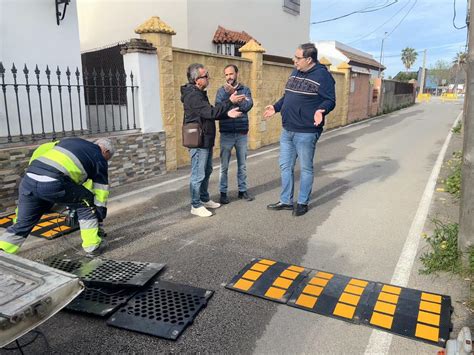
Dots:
(139, 58)
(254, 51)
(346, 69)
(159, 34)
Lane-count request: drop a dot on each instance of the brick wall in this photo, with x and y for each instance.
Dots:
(138, 156)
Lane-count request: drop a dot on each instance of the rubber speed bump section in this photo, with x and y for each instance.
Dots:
(332, 295)
(410, 313)
(7, 220)
(101, 301)
(65, 264)
(108, 273)
(164, 309)
(268, 279)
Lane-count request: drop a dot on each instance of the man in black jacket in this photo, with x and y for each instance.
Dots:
(198, 109)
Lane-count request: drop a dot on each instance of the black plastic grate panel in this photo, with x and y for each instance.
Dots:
(67, 265)
(101, 301)
(107, 273)
(164, 309)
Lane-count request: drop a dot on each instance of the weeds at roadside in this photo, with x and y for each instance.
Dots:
(453, 181)
(457, 128)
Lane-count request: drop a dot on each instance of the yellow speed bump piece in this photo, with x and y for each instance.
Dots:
(259, 267)
(251, 275)
(430, 297)
(318, 282)
(296, 268)
(44, 224)
(324, 275)
(313, 290)
(344, 310)
(354, 289)
(35, 228)
(275, 293)
(427, 332)
(385, 307)
(282, 282)
(430, 307)
(243, 285)
(267, 262)
(49, 233)
(388, 297)
(350, 299)
(62, 228)
(306, 301)
(391, 289)
(289, 274)
(381, 320)
(357, 282)
(4, 220)
(428, 318)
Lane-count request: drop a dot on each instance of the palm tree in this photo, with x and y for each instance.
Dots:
(408, 57)
(460, 58)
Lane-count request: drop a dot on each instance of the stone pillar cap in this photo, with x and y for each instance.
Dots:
(344, 65)
(325, 61)
(137, 45)
(252, 46)
(154, 25)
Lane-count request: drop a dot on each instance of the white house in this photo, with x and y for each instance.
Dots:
(279, 25)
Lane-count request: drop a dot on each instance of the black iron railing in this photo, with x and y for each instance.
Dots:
(64, 104)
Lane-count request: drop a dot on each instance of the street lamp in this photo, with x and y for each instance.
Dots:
(381, 53)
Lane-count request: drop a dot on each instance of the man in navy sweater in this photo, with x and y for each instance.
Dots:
(309, 96)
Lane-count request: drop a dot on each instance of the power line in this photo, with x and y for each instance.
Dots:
(383, 24)
(454, 18)
(403, 18)
(362, 11)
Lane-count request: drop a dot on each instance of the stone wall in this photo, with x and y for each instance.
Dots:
(138, 156)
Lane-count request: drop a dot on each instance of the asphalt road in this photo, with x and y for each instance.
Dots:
(370, 178)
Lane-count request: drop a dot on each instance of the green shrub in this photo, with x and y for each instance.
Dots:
(453, 181)
(457, 128)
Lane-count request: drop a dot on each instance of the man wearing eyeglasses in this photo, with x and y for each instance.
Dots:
(309, 96)
(198, 109)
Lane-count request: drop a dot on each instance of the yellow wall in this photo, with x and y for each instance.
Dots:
(336, 117)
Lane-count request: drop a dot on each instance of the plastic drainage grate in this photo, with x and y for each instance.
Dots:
(106, 273)
(67, 265)
(100, 302)
(164, 309)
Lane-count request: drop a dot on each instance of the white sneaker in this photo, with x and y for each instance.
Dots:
(201, 212)
(211, 204)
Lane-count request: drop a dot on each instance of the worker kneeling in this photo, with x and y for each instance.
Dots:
(56, 173)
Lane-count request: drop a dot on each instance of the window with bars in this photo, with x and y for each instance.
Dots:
(291, 6)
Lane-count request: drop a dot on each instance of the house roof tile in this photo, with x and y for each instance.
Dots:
(223, 35)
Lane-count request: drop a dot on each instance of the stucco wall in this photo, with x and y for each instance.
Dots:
(359, 97)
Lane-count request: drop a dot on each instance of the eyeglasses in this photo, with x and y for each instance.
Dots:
(204, 76)
(296, 58)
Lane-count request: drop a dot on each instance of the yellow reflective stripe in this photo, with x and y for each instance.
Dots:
(73, 171)
(101, 196)
(43, 148)
(9, 247)
(89, 185)
(90, 237)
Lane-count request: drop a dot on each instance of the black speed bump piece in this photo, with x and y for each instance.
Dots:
(101, 301)
(108, 273)
(65, 264)
(268, 279)
(164, 309)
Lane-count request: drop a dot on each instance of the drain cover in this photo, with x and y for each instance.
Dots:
(100, 301)
(164, 309)
(107, 273)
(63, 264)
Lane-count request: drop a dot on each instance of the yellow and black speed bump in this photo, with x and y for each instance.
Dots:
(407, 312)
(333, 295)
(268, 279)
(50, 226)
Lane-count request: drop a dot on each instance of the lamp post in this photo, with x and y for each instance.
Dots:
(381, 53)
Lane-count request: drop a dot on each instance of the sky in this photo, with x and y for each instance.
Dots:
(428, 25)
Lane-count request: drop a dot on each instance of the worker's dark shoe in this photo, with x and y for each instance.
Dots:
(243, 195)
(97, 250)
(102, 233)
(279, 206)
(300, 210)
(224, 198)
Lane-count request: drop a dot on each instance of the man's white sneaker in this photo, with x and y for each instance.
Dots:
(211, 204)
(201, 212)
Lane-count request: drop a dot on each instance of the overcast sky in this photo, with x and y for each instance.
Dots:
(428, 25)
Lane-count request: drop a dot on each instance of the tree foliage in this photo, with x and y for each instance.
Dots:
(408, 57)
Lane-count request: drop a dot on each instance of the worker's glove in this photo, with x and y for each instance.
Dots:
(101, 213)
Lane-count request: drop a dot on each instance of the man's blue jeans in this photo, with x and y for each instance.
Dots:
(201, 169)
(228, 141)
(297, 145)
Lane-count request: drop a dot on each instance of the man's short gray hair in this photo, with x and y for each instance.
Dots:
(193, 72)
(107, 144)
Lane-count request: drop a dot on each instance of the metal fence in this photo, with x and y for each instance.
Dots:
(59, 104)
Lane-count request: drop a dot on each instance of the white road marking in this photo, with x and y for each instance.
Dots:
(379, 342)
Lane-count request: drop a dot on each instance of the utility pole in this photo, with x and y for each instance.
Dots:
(422, 84)
(381, 52)
(466, 216)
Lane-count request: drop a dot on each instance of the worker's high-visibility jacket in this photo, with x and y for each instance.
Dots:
(77, 159)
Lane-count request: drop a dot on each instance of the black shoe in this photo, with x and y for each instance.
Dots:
(224, 199)
(243, 195)
(98, 250)
(279, 206)
(300, 210)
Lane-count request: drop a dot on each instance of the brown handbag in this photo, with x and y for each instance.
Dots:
(192, 134)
